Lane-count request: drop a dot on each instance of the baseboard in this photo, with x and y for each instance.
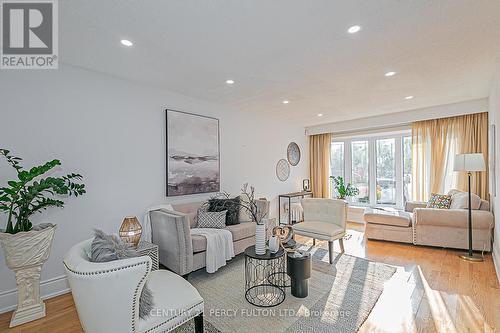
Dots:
(496, 263)
(48, 289)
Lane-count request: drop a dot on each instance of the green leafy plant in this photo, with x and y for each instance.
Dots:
(31, 193)
(344, 190)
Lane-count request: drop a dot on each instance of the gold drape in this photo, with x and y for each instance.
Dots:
(473, 138)
(319, 164)
(433, 140)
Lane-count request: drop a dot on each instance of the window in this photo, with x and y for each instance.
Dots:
(386, 171)
(407, 164)
(379, 165)
(337, 159)
(360, 173)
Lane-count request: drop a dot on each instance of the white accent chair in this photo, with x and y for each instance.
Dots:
(107, 294)
(324, 219)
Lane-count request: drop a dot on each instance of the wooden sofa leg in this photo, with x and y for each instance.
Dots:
(198, 323)
(314, 241)
(341, 242)
(330, 251)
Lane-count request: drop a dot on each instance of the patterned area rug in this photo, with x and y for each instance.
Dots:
(341, 296)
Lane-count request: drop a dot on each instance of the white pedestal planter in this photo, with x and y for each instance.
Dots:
(25, 253)
(260, 238)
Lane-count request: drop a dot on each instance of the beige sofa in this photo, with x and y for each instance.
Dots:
(182, 252)
(430, 226)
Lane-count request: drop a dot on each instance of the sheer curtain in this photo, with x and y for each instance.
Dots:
(434, 146)
(319, 164)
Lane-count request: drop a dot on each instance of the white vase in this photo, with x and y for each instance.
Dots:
(260, 238)
(25, 253)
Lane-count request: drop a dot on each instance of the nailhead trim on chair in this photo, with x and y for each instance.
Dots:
(134, 300)
(179, 324)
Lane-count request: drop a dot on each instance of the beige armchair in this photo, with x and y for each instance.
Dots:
(324, 219)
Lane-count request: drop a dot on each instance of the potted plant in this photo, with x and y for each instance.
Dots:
(26, 247)
(343, 191)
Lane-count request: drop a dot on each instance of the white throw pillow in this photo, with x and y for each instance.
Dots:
(214, 220)
(460, 200)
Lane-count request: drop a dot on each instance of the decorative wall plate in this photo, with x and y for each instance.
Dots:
(293, 153)
(283, 170)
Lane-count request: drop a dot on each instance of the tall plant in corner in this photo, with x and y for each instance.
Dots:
(27, 247)
(30, 194)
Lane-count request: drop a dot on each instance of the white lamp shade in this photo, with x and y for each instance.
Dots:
(469, 162)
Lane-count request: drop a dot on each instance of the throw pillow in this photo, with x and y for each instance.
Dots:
(109, 247)
(441, 201)
(460, 200)
(231, 205)
(215, 220)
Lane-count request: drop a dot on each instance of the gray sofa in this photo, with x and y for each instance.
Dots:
(182, 252)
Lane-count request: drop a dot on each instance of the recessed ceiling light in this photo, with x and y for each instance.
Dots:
(126, 42)
(390, 74)
(354, 29)
(320, 115)
(286, 101)
(409, 97)
(229, 81)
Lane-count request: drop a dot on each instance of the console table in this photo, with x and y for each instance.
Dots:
(289, 196)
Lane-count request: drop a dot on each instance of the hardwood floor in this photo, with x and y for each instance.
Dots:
(433, 291)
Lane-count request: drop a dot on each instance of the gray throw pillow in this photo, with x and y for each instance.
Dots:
(215, 220)
(109, 247)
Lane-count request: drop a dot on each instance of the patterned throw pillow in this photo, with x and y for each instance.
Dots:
(231, 205)
(215, 220)
(441, 201)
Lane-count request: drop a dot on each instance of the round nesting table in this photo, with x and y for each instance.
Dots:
(264, 277)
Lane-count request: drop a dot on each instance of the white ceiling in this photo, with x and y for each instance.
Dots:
(444, 51)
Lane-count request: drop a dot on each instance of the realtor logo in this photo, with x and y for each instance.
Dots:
(29, 34)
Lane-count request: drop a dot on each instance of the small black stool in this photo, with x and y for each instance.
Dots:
(299, 270)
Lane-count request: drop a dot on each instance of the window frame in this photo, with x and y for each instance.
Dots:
(372, 164)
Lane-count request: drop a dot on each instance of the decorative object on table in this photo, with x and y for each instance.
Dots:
(293, 153)
(298, 268)
(470, 163)
(343, 191)
(149, 249)
(274, 244)
(289, 197)
(283, 170)
(257, 210)
(193, 158)
(493, 159)
(131, 230)
(306, 185)
(264, 278)
(26, 247)
(284, 233)
(260, 239)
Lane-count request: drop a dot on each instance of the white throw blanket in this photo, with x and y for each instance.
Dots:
(219, 246)
(146, 224)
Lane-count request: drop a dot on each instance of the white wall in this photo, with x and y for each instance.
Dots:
(113, 132)
(401, 118)
(494, 118)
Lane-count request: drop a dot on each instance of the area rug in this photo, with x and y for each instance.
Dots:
(341, 296)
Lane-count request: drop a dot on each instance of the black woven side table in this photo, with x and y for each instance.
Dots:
(264, 278)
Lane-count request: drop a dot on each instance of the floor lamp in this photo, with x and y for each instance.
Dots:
(469, 163)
